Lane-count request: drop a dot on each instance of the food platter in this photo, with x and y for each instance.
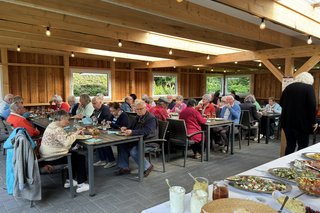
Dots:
(230, 205)
(292, 205)
(305, 164)
(309, 185)
(83, 137)
(312, 155)
(285, 173)
(258, 184)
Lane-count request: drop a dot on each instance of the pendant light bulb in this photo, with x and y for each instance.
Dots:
(114, 59)
(72, 55)
(224, 71)
(260, 64)
(262, 24)
(179, 1)
(174, 67)
(198, 68)
(236, 62)
(208, 57)
(48, 32)
(119, 43)
(211, 69)
(148, 63)
(170, 52)
(279, 67)
(309, 41)
(18, 48)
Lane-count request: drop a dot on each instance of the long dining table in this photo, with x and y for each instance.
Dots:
(262, 170)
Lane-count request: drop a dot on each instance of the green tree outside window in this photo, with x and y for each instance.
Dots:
(90, 83)
(164, 85)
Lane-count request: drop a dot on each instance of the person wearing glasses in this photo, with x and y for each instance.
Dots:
(145, 124)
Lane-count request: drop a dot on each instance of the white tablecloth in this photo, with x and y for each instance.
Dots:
(311, 201)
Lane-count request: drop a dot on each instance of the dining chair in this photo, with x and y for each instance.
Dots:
(157, 145)
(179, 137)
(246, 124)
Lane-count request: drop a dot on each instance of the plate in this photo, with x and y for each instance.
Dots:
(219, 119)
(312, 155)
(230, 205)
(309, 185)
(120, 133)
(258, 184)
(83, 137)
(285, 173)
(305, 164)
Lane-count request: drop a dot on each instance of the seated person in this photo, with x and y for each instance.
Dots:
(249, 104)
(73, 105)
(57, 141)
(179, 106)
(160, 110)
(59, 104)
(205, 107)
(271, 107)
(145, 124)
(17, 120)
(171, 102)
(193, 120)
(85, 108)
(126, 105)
(101, 112)
(230, 111)
(16, 99)
(119, 118)
(5, 105)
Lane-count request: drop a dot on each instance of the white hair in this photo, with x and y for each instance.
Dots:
(71, 98)
(207, 97)
(305, 78)
(139, 102)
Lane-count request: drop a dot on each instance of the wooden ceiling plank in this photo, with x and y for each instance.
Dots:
(273, 69)
(278, 13)
(306, 67)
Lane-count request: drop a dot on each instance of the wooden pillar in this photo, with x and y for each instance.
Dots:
(132, 81)
(150, 80)
(113, 80)
(67, 76)
(5, 71)
(203, 82)
(179, 82)
(188, 82)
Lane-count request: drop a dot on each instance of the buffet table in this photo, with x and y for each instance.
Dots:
(311, 201)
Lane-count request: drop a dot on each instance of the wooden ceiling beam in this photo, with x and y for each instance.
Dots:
(273, 69)
(306, 67)
(132, 20)
(278, 13)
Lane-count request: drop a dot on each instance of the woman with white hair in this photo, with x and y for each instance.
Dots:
(179, 106)
(85, 108)
(56, 103)
(206, 108)
(298, 117)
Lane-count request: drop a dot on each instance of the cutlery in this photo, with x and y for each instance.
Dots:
(284, 203)
(298, 195)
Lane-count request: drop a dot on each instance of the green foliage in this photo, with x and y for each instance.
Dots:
(239, 84)
(164, 85)
(90, 84)
(214, 83)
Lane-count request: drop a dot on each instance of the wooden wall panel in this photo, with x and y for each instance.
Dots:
(266, 85)
(34, 58)
(84, 62)
(142, 84)
(122, 85)
(195, 85)
(184, 86)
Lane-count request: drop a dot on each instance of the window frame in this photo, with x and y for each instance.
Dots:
(1, 83)
(237, 76)
(222, 82)
(95, 71)
(165, 74)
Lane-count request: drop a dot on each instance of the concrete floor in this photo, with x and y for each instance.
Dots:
(124, 195)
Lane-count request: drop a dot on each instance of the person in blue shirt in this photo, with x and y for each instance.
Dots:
(271, 107)
(5, 106)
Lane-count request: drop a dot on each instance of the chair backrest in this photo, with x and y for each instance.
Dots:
(163, 127)
(8, 126)
(177, 129)
(132, 117)
(245, 118)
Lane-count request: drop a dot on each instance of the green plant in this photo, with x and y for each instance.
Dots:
(90, 83)
(164, 85)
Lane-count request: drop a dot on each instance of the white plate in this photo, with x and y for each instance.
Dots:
(219, 119)
(83, 137)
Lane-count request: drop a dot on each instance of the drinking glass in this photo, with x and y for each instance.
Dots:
(198, 199)
(220, 190)
(201, 183)
(177, 199)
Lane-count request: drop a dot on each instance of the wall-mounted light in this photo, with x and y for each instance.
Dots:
(114, 59)
(48, 32)
(208, 57)
(119, 43)
(170, 52)
(18, 48)
(309, 41)
(262, 24)
(72, 55)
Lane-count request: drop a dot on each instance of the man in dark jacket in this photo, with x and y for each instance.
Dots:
(145, 124)
(298, 116)
(101, 111)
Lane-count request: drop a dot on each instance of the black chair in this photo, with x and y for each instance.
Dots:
(153, 145)
(4, 134)
(132, 117)
(246, 123)
(178, 136)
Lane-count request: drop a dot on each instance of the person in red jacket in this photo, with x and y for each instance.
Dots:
(57, 104)
(206, 108)
(160, 110)
(17, 120)
(193, 120)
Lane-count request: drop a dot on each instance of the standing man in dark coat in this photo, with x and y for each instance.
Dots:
(298, 116)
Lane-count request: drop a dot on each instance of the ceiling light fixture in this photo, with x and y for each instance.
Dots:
(309, 41)
(260, 64)
(179, 1)
(114, 59)
(211, 69)
(279, 67)
(198, 68)
(224, 71)
(208, 57)
(295, 69)
(119, 43)
(148, 63)
(174, 67)
(170, 52)
(72, 54)
(48, 32)
(262, 24)
(18, 48)
(236, 62)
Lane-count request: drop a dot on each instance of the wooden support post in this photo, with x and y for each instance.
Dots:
(179, 82)
(113, 80)
(273, 69)
(150, 80)
(67, 76)
(188, 86)
(132, 81)
(203, 82)
(5, 71)
(308, 65)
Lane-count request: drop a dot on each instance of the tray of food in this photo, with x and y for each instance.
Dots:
(309, 185)
(305, 164)
(290, 174)
(312, 155)
(292, 205)
(258, 184)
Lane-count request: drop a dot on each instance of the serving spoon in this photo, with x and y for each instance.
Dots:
(284, 203)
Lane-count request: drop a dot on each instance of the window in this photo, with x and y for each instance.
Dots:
(214, 83)
(164, 84)
(91, 82)
(240, 84)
